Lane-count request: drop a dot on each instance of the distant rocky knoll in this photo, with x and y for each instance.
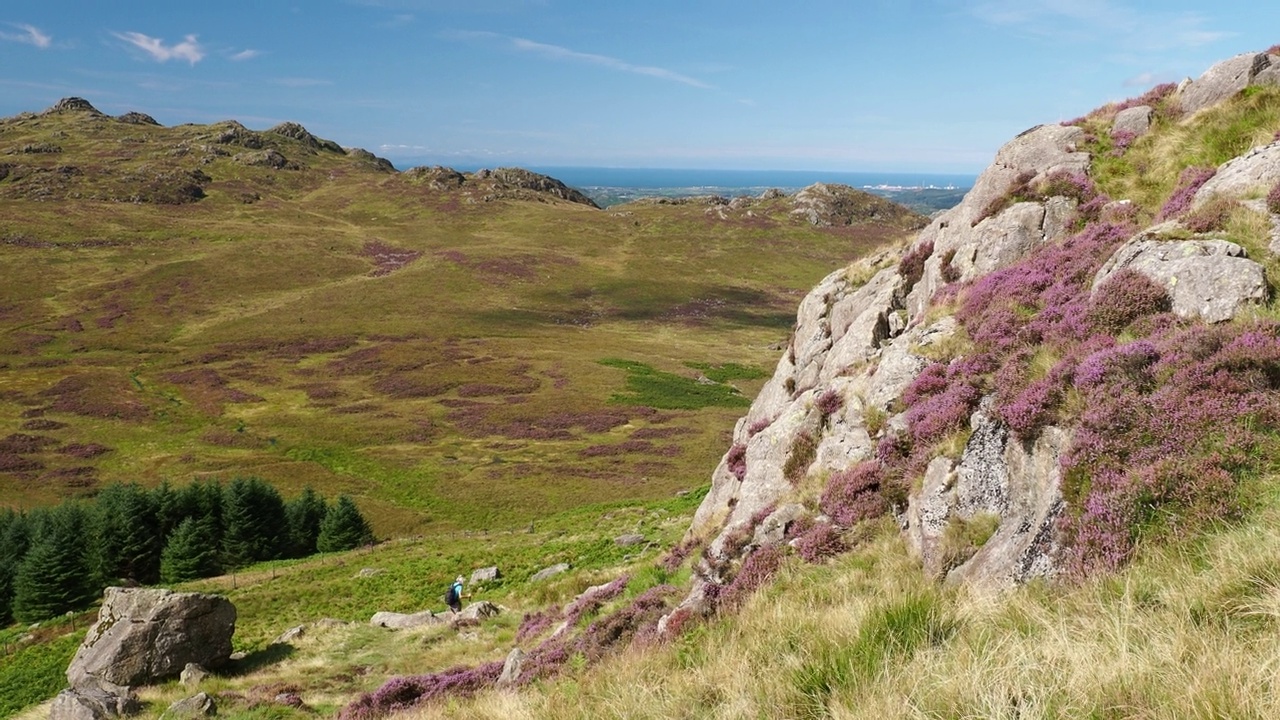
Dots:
(73, 151)
(891, 358)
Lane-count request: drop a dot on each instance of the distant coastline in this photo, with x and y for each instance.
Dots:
(923, 192)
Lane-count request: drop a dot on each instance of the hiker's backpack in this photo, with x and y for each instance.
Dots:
(451, 595)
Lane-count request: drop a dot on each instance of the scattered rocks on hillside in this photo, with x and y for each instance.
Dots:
(1228, 78)
(198, 705)
(145, 635)
(511, 669)
(504, 183)
(549, 572)
(485, 574)
(265, 158)
(1135, 121)
(628, 539)
(1208, 279)
(369, 572)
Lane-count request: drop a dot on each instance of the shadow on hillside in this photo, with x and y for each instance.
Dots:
(255, 661)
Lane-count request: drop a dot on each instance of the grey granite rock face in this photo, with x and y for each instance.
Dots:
(1253, 173)
(1207, 279)
(1135, 120)
(1226, 79)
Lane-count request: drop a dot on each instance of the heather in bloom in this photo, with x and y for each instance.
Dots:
(1191, 180)
(756, 570)
(1126, 296)
(736, 460)
(911, 267)
(854, 494)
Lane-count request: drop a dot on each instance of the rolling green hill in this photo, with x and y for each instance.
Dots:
(212, 301)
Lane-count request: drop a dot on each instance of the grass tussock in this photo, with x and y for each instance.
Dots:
(1187, 631)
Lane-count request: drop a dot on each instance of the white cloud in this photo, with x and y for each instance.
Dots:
(30, 35)
(556, 52)
(1111, 20)
(189, 49)
(245, 55)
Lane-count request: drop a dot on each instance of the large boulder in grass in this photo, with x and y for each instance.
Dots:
(1207, 279)
(1228, 78)
(146, 635)
(406, 621)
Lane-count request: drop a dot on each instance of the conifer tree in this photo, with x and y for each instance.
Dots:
(55, 576)
(189, 554)
(13, 546)
(127, 534)
(343, 528)
(305, 513)
(254, 524)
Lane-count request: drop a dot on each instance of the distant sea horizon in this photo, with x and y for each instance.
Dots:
(613, 185)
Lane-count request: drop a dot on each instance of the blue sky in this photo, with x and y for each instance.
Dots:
(855, 85)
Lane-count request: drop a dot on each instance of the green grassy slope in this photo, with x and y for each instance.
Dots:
(427, 346)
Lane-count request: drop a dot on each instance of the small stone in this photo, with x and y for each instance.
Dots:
(628, 540)
(193, 674)
(511, 668)
(195, 706)
(485, 574)
(545, 573)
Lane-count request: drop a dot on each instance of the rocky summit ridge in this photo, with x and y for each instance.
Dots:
(825, 442)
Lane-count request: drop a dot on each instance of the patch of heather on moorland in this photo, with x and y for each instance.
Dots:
(1191, 180)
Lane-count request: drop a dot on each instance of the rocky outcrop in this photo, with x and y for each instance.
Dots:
(521, 184)
(1254, 173)
(297, 132)
(1208, 279)
(836, 205)
(367, 158)
(973, 240)
(1228, 78)
(1012, 488)
(73, 105)
(137, 118)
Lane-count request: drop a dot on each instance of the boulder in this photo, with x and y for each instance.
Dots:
(549, 572)
(290, 635)
(1226, 79)
(1208, 279)
(480, 610)
(192, 674)
(1255, 172)
(90, 703)
(199, 705)
(1135, 120)
(485, 574)
(403, 621)
(511, 668)
(146, 635)
(628, 539)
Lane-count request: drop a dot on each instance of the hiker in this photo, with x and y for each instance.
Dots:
(454, 597)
